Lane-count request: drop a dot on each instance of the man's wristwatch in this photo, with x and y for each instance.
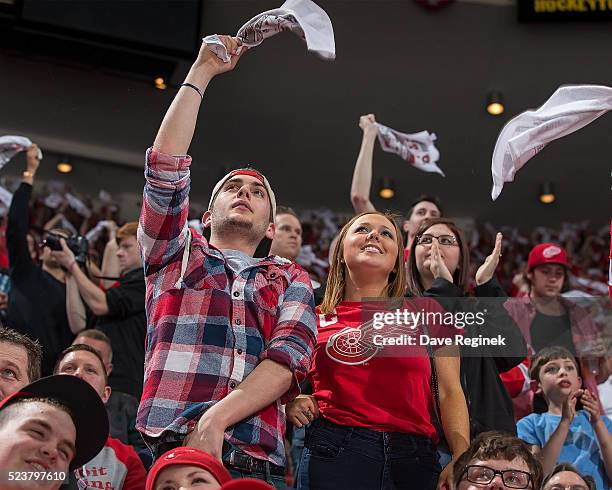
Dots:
(28, 175)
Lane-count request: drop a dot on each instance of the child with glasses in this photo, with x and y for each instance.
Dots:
(565, 433)
(497, 460)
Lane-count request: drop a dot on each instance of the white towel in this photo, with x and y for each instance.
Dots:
(78, 205)
(302, 17)
(417, 149)
(570, 108)
(11, 145)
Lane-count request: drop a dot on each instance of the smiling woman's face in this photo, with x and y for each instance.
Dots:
(185, 477)
(371, 244)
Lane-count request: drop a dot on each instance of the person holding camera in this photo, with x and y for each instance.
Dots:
(120, 314)
(39, 305)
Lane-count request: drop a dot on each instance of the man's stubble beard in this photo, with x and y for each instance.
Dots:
(246, 230)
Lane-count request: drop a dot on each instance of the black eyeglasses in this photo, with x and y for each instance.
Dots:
(483, 475)
(444, 240)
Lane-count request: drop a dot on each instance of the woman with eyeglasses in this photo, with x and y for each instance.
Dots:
(498, 461)
(370, 423)
(438, 266)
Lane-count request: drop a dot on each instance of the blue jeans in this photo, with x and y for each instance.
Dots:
(362, 459)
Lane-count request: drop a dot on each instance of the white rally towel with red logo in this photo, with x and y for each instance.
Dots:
(417, 149)
(302, 17)
(569, 109)
(11, 145)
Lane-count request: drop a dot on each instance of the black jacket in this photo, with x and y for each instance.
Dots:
(489, 404)
(37, 301)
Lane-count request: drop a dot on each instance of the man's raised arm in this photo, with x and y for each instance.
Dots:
(362, 175)
(163, 221)
(176, 130)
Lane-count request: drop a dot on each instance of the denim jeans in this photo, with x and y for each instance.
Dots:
(361, 459)
(297, 446)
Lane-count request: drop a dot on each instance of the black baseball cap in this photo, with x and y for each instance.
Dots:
(88, 412)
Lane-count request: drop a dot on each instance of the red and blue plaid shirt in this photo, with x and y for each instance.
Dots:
(206, 329)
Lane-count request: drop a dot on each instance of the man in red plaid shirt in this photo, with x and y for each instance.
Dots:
(229, 337)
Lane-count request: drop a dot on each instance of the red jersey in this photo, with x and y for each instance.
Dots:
(358, 382)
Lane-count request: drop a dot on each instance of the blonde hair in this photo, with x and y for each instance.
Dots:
(336, 280)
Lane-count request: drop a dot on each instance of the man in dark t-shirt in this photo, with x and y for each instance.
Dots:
(37, 303)
(120, 312)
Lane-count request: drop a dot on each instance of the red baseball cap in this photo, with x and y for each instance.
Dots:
(189, 456)
(88, 412)
(247, 484)
(547, 253)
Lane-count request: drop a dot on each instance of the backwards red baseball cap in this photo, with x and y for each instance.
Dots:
(547, 253)
(192, 457)
(88, 412)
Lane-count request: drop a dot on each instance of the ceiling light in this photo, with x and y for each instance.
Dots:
(495, 104)
(64, 166)
(547, 193)
(386, 188)
(160, 83)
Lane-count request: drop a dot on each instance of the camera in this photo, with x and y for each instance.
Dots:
(77, 243)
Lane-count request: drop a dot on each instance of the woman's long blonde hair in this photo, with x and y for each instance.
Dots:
(336, 281)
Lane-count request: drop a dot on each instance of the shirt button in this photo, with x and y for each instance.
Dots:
(232, 385)
(236, 294)
(239, 351)
(238, 321)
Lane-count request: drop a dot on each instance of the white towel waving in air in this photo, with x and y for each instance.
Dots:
(570, 108)
(417, 149)
(11, 145)
(302, 17)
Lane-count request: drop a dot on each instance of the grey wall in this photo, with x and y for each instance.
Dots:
(295, 116)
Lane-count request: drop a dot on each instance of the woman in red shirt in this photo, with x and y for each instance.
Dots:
(370, 410)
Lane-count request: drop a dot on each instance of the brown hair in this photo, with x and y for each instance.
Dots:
(286, 210)
(77, 348)
(566, 278)
(92, 333)
(127, 230)
(336, 282)
(498, 445)
(546, 355)
(425, 198)
(590, 482)
(460, 276)
(32, 348)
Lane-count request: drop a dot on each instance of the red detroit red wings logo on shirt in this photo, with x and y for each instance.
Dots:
(355, 345)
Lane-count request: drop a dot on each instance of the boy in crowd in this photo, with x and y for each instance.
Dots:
(497, 460)
(117, 465)
(564, 433)
(53, 425)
